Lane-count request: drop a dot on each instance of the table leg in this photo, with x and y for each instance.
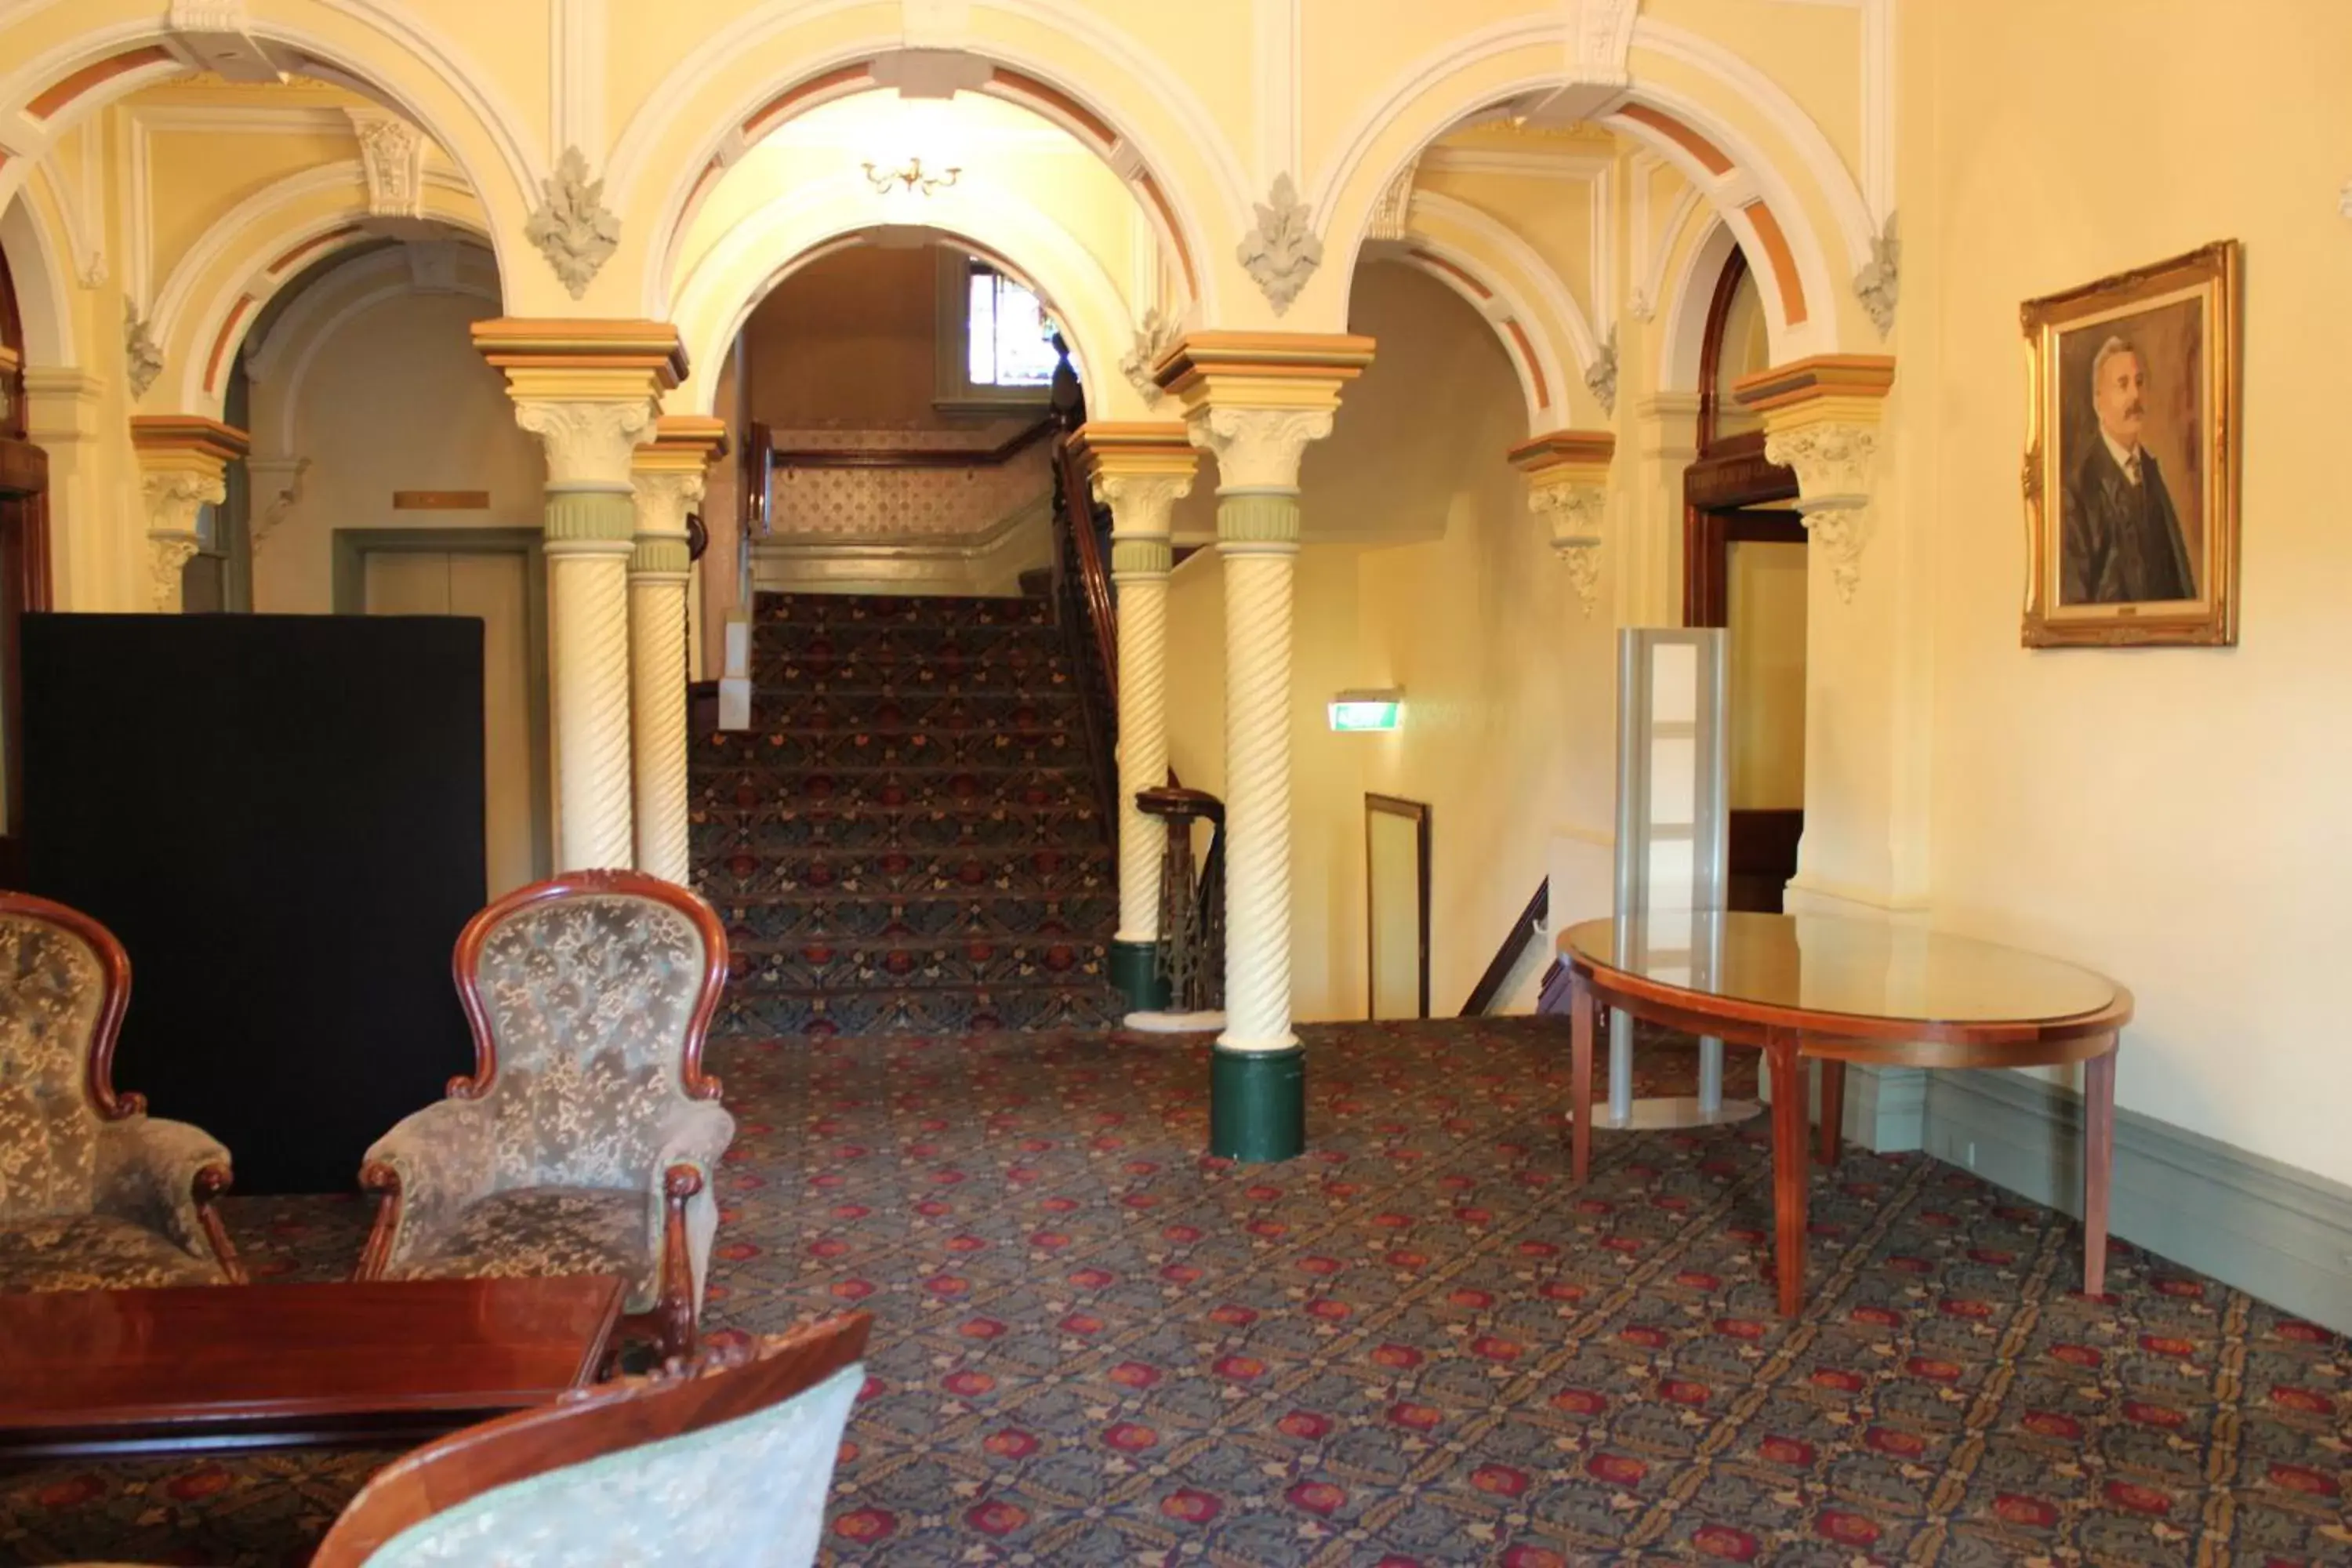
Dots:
(1580, 1071)
(2098, 1163)
(1832, 1108)
(1789, 1166)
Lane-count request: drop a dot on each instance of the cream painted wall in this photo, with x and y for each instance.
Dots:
(395, 398)
(2173, 816)
(847, 343)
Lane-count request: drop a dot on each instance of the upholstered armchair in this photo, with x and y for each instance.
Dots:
(94, 1193)
(586, 1139)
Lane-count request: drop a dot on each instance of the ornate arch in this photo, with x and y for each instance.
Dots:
(740, 270)
(1522, 61)
(764, 68)
(75, 60)
(250, 253)
(1522, 313)
(43, 269)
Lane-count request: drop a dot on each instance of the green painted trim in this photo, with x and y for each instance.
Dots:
(661, 553)
(1886, 1108)
(1257, 518)
(351, 547)
(592, 515)
(2280, 1235)
(1135, 970)
(1133, 556)
(1257, 1104)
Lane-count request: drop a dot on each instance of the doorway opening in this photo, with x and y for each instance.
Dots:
(1744, 568)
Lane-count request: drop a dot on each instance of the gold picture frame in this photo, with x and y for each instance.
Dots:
(2132, 458)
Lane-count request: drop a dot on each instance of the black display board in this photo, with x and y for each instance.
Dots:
(281, 819)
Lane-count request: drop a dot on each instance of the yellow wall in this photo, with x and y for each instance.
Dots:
(2174, 816)
(848, 342)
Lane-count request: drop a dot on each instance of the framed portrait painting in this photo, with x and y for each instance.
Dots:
(2131, 459)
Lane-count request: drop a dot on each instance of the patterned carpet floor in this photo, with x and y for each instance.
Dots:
(1414, 1345)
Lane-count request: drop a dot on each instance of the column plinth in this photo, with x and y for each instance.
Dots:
(1255, 401)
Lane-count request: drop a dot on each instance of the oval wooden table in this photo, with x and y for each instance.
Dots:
(1804, 988)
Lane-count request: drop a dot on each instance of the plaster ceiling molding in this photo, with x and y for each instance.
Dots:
(142, 357)
(1281, 253)
(1833, 464)
(1153, 338)
(392, 160)
(573, 228)
(1601, 375)
(1391, 217)
(1879, 285)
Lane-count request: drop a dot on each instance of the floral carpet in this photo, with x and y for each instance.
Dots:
(1415, 1345)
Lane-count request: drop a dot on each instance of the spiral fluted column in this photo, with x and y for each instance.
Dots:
(1140, 472)
(587, 389)
(1256, 400)
(668, 472)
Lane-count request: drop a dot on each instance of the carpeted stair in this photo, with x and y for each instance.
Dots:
(907, 839)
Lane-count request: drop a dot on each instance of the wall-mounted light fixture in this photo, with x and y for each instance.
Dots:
(1375, 712)
(913, 177)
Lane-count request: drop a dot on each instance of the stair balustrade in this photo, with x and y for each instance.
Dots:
(1191, 898)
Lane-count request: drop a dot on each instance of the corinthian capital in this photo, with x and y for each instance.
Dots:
(588, 442)
(174, 496)
(664, 498)
(1257, 449)
(1141, 504)
(1834, 465)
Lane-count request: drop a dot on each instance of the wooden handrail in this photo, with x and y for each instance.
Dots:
(1092, 575)
(1507, 957)
(917, 457)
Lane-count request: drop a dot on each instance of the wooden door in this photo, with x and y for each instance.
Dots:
(1747, 573)
(492, 587)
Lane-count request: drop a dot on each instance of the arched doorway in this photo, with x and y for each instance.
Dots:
(1744, 562)
(23, 565)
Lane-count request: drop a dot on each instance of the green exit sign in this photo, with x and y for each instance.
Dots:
(1362, 711)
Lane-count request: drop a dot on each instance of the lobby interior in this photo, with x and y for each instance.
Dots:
(902, 454)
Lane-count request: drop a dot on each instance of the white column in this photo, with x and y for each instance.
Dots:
(591, 531)
(659, 574)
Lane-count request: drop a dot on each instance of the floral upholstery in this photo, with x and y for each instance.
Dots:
(749, 1493)
(588, 998)
(87, 1202)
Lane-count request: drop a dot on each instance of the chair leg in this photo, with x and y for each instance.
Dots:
(676, 1308)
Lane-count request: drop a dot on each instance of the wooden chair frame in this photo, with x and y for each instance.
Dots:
(722, 1385)
(97, 1068)
(672, 1319)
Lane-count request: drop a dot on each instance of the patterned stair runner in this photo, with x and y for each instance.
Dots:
(906, 840)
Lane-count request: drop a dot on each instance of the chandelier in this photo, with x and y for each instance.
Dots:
(913, 177)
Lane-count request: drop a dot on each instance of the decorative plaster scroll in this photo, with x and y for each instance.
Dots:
(391, 158)
(142, 359)
(1601, 375)
(1879, 284)
(1833, 464)
(1282, 252)
(587, 443)
(1257, 448)
(167, 559)
(1601, 40)
(174, 498)
(573, 228)
(265, 473)
(1152, 339)
(1575, 513)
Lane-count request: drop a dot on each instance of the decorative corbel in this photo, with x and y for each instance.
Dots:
(183, 464)
(1821, 418)
(1568, 487)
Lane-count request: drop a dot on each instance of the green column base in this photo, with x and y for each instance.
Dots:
(1135, 970)
(1257, 1104)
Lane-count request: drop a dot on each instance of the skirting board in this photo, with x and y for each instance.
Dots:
(1886, 1108)
(2280, 1235)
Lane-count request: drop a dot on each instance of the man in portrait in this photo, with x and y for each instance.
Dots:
(2120, 539)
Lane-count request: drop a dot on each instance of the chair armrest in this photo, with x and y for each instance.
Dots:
(164, 1175)
(693, 1133)
(426, 1170)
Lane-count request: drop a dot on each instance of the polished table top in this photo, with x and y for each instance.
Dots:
(1860, 968)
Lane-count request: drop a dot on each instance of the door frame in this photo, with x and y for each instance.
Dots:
(352, 546)
(1417, 812)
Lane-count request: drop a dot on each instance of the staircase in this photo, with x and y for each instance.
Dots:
(909, 838)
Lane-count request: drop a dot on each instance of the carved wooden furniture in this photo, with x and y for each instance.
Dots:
(122, 1372)
(1805, 989)
(721, 1464)
(586, 1139)
(94, 1193)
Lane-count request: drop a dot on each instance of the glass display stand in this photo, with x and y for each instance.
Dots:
(1674, 823)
